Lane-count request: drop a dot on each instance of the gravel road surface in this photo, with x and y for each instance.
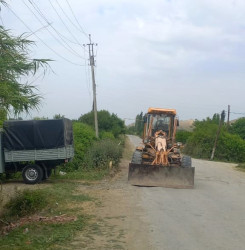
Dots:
(210, 216)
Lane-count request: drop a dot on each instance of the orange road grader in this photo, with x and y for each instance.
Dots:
(158, 162)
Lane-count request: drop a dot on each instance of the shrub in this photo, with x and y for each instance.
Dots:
(131, 130)
(182, 136)
(106, 135)
(241, 166)
(83, 139)
(238, 127)
(101, 153)
(200, 143)
(26, 202)
(230, 147)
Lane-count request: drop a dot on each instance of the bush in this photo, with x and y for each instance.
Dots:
(101, 153)
(238, 127)
(241, 166)
(230, 148)
(182, 136)
(200, 144)
(26, 202)
(106, 135)
(91, 153)
(83, 139)
(131, 130)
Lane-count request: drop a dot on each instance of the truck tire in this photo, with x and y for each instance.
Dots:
(32, 174)
(137, 157)
(186, 161)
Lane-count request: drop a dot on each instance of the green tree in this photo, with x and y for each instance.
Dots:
(107, 122)
(238, 127)
(58, 116)
(139, 124)
(183, 136)
(40, 118)
(200, 143)
(15, 63)
(230, 147)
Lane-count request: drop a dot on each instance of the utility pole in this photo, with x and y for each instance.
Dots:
(91, 63)
(228, 117)
(221, 121)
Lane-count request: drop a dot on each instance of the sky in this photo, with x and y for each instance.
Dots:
(182, 54)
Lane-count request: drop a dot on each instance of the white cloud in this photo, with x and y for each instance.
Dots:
(147, 50)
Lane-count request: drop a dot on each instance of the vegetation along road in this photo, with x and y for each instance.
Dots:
(210, 216)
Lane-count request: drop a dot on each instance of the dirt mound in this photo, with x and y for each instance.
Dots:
(186, 125)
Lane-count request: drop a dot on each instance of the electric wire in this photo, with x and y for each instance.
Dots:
(235, 113)
(87, 77)
(43, 27)
(57, 13)
(36, 78)
(81, 28)
(1, 19)
(42, 40)
(70, 49)
(62, 34)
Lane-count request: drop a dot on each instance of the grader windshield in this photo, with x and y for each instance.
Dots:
(159, 120)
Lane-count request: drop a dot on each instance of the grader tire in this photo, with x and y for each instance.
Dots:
(137, 157)
(186, 162)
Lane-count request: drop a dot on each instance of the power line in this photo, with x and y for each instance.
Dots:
(57, 13)
(235, 113)
(87, 75)
(1, 19)
(42, 40)
(81, 28)
(43, 27)
(49, 24)
(70, 49)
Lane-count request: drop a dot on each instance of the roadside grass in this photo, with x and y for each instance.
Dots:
(42, 236)
(241, 167)
(25, 203)
(56, 199)
(128, 149)
(60, 199)
(85, 174)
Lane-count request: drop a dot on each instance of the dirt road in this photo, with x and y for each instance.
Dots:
(210, 216)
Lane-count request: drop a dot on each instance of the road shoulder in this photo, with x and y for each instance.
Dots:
(118, 220)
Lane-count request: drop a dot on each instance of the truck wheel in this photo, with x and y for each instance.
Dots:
(32, 174)
(186, 161)
(137, 157)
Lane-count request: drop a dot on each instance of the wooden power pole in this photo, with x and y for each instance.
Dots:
(91, 62)
(221, 121)
(228, 117)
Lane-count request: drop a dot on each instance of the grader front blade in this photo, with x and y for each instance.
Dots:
(161, 176)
